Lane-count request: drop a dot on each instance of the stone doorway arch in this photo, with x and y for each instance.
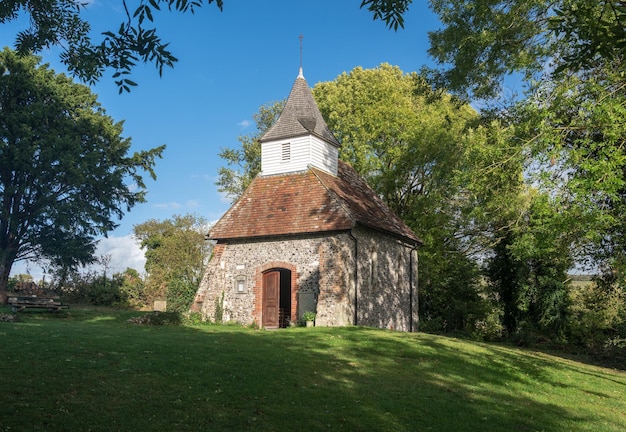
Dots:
(276, 303)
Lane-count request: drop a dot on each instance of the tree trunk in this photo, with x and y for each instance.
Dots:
(4, 281)
(5, 270)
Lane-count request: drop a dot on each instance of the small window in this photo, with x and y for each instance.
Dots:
(240, 285)
(286, 153)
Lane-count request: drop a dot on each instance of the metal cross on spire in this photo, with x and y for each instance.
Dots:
(300, 37)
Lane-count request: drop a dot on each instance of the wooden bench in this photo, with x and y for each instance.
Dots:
(52, 303)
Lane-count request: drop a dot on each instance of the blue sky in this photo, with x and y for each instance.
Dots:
(230, 63)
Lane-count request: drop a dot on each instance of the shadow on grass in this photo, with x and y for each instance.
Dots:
(95, 371)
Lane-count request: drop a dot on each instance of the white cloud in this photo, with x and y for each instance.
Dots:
(204, 177)
(168, 206)
(244, 124)
(176, 206)
(225, 198)
(124, 252)
(192, 204)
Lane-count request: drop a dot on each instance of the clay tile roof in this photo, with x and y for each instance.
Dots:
(308, 202)
(300, 116)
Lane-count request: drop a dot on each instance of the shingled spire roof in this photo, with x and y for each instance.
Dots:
(300, 116)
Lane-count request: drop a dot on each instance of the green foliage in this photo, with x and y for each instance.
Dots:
(193, 319)
(308, 316)
(244, 164)
(576, 131)
(451, 295)
(64, 167)
(132, 287)
(389, 11)
(597, 317)
(483, 41)
(60, 23)
(92, 289)
(180, 295)
(398, 133)
(219, 308)
(570, 132)
(176, 251)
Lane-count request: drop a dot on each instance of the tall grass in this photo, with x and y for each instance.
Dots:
(93, 370)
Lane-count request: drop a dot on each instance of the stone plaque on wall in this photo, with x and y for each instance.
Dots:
(307, 301)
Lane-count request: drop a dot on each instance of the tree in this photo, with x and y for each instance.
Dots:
(59, 23)
(64, 167)
(482, 41)
(570, 125)
(399, 134)
(176, 251)
(245, 163)
(576, 130)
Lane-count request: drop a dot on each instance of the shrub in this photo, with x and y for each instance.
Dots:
(597, 316)
(180, 294)
(219, 308)
(193, 318)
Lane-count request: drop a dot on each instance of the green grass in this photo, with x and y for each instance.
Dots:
(91, 370)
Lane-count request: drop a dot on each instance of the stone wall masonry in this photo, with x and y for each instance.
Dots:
(249, 259)
(335, 305)
(385, 282)
(322, 268)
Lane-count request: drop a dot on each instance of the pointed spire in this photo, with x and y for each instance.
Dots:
(300, 116)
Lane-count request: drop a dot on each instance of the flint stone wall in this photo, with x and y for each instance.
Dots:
(323, 272)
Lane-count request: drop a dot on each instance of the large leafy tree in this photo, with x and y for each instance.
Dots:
(176, 251)
(482, 41)
(66, 175)
(401, 135)
(136, 39)
(244, 163)
(571, 53)
(578, 136)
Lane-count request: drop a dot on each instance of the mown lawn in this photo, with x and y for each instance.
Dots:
(92, 370)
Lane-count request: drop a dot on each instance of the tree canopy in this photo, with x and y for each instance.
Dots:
(482, 41)
(243, 164)
(136, 39)
(66, 174)
(176, 251)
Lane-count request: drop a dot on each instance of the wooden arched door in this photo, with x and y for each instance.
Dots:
(271, 299)
(277, 307)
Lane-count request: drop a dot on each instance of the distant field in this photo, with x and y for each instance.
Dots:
(581, 280)
(92, 370)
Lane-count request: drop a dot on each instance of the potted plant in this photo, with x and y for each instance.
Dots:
(309, 318)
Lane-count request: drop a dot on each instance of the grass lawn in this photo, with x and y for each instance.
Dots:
(83, 370)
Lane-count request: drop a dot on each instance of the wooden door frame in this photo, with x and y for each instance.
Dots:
(259, 289)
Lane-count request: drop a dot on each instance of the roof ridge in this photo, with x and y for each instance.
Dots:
(336, 197)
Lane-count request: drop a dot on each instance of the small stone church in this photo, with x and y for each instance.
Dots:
(309, 234)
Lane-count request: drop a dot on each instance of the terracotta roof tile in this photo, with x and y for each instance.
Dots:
(308, 202)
